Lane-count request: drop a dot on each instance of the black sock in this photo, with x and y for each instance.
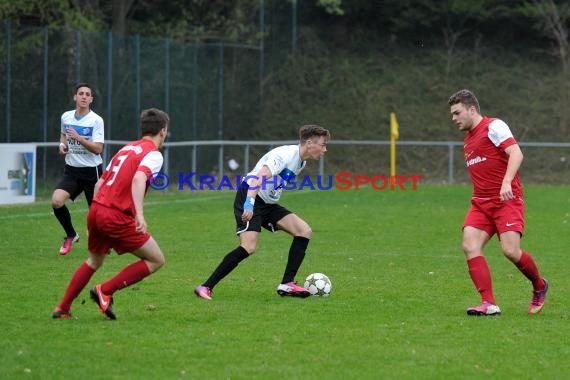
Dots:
(296, 256)
(62, 214)
(228, 264)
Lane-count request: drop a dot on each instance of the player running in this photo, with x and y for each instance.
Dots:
(116, 218)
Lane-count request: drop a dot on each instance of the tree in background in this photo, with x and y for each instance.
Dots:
(552, 20)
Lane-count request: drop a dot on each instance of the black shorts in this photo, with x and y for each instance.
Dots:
(78, 180)
(265, 215)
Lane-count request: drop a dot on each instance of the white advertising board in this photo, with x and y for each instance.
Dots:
(17, 173)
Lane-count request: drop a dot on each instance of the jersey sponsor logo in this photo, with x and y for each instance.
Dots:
(475, 160)
(81, 130)
(134, 148)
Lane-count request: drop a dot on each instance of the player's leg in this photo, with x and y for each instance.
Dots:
(67, 188)
(151, 260)
(78, 281)
(99, 246)
(247, 246)
(248, 233)
(510, 226)
(510, 244)
(301, 232)
(474, 241)
(91, 176)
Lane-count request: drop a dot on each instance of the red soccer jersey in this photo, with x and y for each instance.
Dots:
(115, 192)
(484, 149)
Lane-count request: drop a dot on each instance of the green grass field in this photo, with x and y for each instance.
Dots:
(397, 309)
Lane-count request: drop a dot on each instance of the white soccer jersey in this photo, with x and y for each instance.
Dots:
(285, 164)
(91, 127)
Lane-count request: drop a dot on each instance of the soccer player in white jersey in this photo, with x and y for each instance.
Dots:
(256, 206)
(493, 159)
(81, 142)
(116, 218)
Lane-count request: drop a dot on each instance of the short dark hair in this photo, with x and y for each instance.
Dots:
(465, 97)
(307, 132)
(153, 120)
(83, 84)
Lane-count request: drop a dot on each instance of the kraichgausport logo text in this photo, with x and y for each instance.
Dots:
(340, 181)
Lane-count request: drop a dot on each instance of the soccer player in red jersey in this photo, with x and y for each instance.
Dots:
(116, 218)
(493, 159)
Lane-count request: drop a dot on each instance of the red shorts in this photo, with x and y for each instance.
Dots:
(111, 229)
(494, 216)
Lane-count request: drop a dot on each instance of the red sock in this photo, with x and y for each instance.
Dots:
(481, 277)
(528, 267)
(79, 280)
(128, 276)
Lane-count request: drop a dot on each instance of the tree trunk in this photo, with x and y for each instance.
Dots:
(549, 11)
(120, 10)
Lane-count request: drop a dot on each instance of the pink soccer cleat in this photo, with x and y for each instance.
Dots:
(67, 243)
(538, 298)
(486, 308)
(203, 292)
(291, 289)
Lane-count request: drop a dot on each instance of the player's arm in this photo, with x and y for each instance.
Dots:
(515, 160)
(93, 147)
(260, 180)
(138, 190)
(98, 185)
(62, 144)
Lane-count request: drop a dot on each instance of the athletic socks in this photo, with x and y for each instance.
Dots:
(128, 276)
(481, 277)
(296, 256)
(79, 280)
(232, 259)
(64, 217)
(228, 264)
(528, 267)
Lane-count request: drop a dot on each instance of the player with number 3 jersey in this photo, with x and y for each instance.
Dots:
(116, 218)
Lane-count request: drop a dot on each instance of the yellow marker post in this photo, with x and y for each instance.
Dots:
(394, 135)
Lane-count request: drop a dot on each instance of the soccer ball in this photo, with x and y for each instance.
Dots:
(318, 284)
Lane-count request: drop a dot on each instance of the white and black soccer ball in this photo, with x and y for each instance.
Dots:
(318, 284)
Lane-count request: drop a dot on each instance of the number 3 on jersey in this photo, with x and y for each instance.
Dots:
(115, 169)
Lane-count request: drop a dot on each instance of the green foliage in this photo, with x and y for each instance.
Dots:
(331, 6)
(397, 310)
(354, 93)
(52, 13)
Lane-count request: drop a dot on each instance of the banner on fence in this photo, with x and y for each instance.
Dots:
(17, 173)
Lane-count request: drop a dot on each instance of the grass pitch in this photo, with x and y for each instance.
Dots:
(397, 308)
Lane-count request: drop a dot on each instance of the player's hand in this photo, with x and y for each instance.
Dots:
(140, 224)
(71, 132)
(248, 208)
(246, 216)
(506, 192)
(62, 149)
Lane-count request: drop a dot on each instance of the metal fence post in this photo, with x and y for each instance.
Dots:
(137, 81)
(45, 103)
(8, 27)
(450, 164)
(109, 121)
(246, 159)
